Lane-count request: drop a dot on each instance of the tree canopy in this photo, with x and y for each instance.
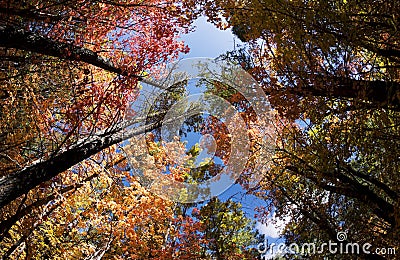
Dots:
(68, 70)
(332, 71)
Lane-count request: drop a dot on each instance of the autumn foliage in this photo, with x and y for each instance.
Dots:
(68, 70)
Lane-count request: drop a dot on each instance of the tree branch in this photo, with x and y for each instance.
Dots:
(18, 38)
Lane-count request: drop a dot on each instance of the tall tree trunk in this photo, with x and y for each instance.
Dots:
(21, 182)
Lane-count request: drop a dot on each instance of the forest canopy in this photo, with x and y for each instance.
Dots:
(69, 69)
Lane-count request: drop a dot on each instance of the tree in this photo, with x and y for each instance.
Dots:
(331, 49)
(101, 64)
(228, 232)
(68, 71)
(331, 69)
(109, 214)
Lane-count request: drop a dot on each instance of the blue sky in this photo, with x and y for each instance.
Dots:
(208, 41)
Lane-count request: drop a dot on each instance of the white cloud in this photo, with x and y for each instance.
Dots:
(274, 226)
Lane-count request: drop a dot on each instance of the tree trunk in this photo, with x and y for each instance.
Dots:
(381, 93)
(21, 182)
(18, 38)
